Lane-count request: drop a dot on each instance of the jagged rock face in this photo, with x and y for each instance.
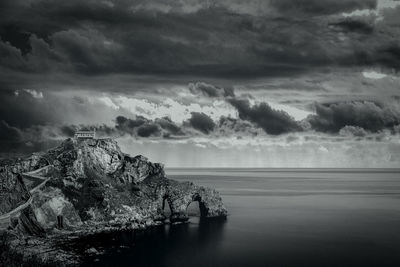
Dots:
(50, 203)
(136, 169)
(102, 155)
(12, 191)
(27, 223)
(9, 168)
(95, 183)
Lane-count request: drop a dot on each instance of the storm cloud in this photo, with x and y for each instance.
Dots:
(26, 108)
(270, 120)
(367, 115)
(128, 125)
(142, 127)
(169, 126)
(201, 122)
(351, 25)
(228, 126)
(227, 39)
(210, 90)
(149, 129)
(326, 7)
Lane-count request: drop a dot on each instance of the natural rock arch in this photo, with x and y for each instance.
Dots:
(201, 205)
(180, 196)
(193, 209)
(166, 209)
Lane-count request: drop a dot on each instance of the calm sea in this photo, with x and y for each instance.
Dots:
(278, 217)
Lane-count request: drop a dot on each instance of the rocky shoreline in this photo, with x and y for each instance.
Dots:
(90, 187)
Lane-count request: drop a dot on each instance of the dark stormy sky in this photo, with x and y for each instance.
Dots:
(229, 83)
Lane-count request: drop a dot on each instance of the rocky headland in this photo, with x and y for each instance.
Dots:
(81, 188)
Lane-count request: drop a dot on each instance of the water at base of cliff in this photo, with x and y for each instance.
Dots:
(276, 218)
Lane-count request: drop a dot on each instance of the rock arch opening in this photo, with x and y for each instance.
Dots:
(193, 209)
(196, 208)
(166, 208)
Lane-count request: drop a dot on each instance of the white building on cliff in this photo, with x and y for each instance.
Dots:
(85, 134)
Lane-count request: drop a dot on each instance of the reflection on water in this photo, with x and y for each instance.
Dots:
(280, 218)
(170, 245)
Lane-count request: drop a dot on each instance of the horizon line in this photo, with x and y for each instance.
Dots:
(291, 168)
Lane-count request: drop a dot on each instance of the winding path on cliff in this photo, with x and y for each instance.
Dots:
(32, 177)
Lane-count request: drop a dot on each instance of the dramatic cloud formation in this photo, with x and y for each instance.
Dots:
(169, 126)
(366, 115)
(326, 7)
(129, 125)
(147, 130)
(143, 127)
(201, 122)
(210, 90)
(227, 39)
(351, 25)
(27, 108)
(231, 126)
(270, 120)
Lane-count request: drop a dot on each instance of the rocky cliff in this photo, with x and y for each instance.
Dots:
(94, 187)
(12, 191)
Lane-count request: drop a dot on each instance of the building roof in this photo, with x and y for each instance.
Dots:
(85, 132)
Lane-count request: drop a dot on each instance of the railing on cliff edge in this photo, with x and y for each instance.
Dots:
(5, 219)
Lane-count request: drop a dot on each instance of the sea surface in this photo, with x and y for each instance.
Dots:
(278, 217)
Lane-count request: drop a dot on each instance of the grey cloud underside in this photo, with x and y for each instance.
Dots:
(210, 90)
(356, 26)
(326, 7)
(365, 115)
(21, 109)
(226, 39)
(201, 122)
(228, 126)
(143, 127)
(271, 121)
(347, 117)
(14, 110)
(170, 127)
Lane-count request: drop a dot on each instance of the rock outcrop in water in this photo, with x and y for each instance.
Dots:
(91, 186)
